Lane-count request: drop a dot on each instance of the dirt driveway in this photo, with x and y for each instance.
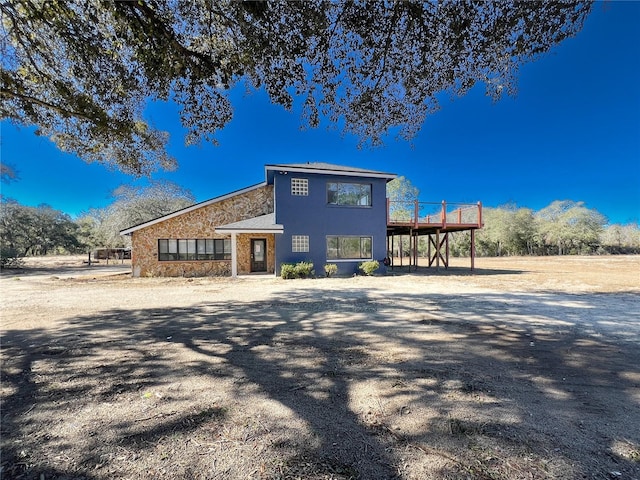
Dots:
(527, 369)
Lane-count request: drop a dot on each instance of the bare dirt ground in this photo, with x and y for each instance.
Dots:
(527, 369)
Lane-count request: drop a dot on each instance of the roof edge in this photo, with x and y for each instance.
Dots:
(312, 168)
(195, 206)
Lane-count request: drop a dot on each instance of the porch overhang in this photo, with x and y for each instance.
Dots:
(261, 224)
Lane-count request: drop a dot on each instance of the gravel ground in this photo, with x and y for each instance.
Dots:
(527, 369)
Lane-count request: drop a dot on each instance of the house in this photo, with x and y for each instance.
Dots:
(315, 212)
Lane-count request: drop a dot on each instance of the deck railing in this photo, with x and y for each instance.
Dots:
(429, 214)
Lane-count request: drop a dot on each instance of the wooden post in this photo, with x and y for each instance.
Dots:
(473, 248)
(387, 250)
(444, 214)
(415, 214)
(393, 263)
(446, 242)
(479, 214)
(438, 249)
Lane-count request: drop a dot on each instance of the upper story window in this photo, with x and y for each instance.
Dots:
(352, 194)
(299, 186)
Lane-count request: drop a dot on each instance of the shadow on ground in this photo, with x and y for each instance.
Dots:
(330, 384)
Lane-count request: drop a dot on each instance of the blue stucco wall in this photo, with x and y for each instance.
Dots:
(311, 215)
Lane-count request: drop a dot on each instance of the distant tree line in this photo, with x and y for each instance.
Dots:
(42, 230)
(562, 228)
(35, 231)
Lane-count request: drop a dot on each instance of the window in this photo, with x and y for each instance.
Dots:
(299, 186)
(300, 243)
(194, 249)
(352, 194)
(349, 248)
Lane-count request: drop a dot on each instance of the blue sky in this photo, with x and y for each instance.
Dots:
(571, 133)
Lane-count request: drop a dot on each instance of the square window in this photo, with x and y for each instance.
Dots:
(300, 243)
(299, 186)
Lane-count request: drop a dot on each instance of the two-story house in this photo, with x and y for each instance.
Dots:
(315, 212)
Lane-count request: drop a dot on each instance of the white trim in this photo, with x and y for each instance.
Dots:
(234, 255)
(196, 206)
(346, 260)
(278, 229)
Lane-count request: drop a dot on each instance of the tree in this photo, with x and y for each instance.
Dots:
(38, 230)
(621, 238)
(570, 226)
(489, 239)
(8, 173)
(83, 70)
(132, 206)
(402, 195)
(517, 230)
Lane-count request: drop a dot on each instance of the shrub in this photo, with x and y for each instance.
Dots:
(299, 270)
(9, 258)
(369, 267)
(287, 271)
(330, 269)
(304, 270)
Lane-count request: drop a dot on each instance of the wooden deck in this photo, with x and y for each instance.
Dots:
(436, 220)
(424, 218)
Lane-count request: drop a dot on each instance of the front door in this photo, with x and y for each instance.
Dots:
(258, 255)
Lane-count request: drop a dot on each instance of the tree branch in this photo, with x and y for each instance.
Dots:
(30, 99)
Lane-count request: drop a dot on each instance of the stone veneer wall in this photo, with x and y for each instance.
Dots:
(244, 251)
(201, 223)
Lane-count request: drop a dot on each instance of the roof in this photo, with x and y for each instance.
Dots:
(262, 224)
(196, 206)
(327, 168)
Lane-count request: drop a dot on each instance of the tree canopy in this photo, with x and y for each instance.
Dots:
(83, 71)
(33, 231)
(402, 194)
(132, 205)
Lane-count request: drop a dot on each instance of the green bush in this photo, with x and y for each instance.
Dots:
(368, 268)
(299, 270)
(287, 271)
(304, 269)
(330, 269)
